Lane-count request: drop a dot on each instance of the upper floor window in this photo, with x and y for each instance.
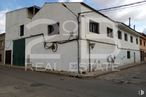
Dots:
(136, 40)
(1, 43)
(94, 27)
(53, 29)
(131, 39)
(109, 32)
(22, 30)
(119, 35)
(0, 58)
(126, 37)
(140, 42)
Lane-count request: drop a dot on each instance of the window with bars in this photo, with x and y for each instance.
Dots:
(126, 37)
(131, 38)
(109, 32)
(119, 35)
(94, 27)
(136, 40)
(53, 29)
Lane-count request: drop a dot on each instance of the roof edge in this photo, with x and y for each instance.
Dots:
(24, 8)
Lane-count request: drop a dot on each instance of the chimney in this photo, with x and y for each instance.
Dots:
(134, 27)
(129, 22)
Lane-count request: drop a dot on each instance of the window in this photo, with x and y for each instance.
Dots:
(1, 43)
(119, 35)
(22, 30)
(109, 32)
(144, 43)
(136, 40)
(50, 29)
(126, 37)
(94, 27)
(53, 29)
(144, 54)
(128, 54)
(131, 39)
(140, 42)
(0, 58)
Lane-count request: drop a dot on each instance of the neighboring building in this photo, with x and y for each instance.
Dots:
(32, 38)
(143, 47)
(2, 46)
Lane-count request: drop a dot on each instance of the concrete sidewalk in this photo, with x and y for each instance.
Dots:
(86, 75)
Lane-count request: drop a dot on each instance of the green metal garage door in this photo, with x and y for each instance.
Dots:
(19, 52)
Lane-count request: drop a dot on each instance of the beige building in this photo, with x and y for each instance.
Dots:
(2, 45)
(143, 47)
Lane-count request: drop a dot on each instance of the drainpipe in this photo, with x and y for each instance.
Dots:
(89, 57)
(78, 19)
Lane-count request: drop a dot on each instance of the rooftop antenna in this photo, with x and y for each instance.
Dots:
(130, 22)
(134, 27)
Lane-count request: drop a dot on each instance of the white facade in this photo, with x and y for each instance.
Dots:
(74, 53)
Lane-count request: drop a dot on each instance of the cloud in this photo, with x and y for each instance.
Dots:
(2, 20)
(144, 31)
(137, 12)
(70, 0)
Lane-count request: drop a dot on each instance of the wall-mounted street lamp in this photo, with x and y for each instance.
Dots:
(92, 45)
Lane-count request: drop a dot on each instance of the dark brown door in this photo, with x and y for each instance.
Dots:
(8, 57)
(142, 55)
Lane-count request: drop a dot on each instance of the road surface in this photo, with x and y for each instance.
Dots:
(18, 83)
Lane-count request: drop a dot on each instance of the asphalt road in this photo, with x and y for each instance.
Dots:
(18, 83)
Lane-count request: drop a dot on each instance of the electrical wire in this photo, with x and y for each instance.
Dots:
(122, 6)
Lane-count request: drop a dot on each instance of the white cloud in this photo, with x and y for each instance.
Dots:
(70, 0)
(137, 13)
(2, 20)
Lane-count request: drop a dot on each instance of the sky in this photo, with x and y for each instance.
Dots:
(137, 13)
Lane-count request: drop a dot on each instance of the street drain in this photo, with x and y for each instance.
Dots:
(36, 84)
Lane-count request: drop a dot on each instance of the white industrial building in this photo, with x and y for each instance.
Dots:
(69, 37)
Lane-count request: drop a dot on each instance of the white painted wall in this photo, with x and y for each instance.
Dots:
(62, 60)
(13, 21)
(105, 45)
(67, 52)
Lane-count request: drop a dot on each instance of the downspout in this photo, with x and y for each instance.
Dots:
(89, 57)
(78, 42)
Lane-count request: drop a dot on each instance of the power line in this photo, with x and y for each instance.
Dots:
(121, 6)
